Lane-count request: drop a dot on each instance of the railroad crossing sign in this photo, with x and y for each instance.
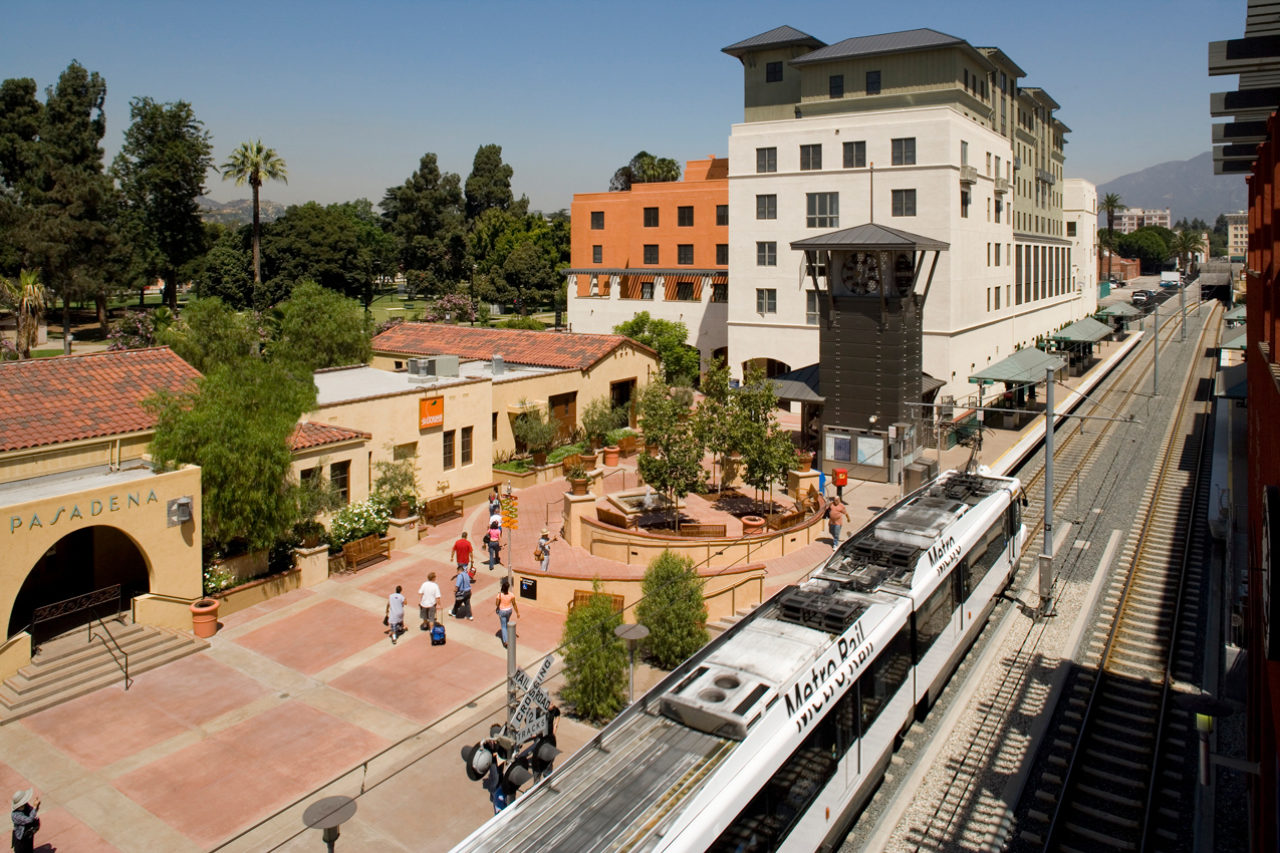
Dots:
(529, 718)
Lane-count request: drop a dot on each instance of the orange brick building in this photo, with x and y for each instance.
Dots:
(661, 248)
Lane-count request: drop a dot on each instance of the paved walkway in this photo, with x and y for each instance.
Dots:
(304, 696)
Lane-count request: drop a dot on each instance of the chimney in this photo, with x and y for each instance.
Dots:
(497, 364)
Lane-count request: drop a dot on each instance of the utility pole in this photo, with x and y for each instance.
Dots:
(1046, 553)
(1182, 311)
(1155, 349)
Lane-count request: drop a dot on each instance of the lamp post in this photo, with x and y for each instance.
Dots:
(328, 815)
(632, 634)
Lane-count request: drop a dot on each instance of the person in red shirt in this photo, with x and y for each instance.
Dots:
(462, 553)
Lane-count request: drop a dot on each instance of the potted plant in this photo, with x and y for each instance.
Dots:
(804, 460)
(397, 485)
(599, 418)
(535, 431)
(578, 479)
(204, 611)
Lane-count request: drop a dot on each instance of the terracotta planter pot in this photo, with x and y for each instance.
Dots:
(752, 524)
(539, 458)
(611, 456)
(804, 461)
(401, 510)
(579, 486)
(204, 617)
(588, 460)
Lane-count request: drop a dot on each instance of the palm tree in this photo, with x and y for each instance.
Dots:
(26, 297)
(1111, 203)
(1184, 244)
(253, 163)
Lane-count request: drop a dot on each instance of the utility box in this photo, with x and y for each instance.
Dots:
(840, 476)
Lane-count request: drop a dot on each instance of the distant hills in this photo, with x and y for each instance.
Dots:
(1189, 188)
(238, 212)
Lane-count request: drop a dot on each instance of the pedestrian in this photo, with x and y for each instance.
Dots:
(461, 595)
(430, 592)
(505, 605)
(462, 554)
(26, 820)
(493, 541)
(542, 552)
(495, 503)
(836, 516)
(395, 614)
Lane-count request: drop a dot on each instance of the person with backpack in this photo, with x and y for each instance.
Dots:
(395, 614)
(461, 595)
(493, 541)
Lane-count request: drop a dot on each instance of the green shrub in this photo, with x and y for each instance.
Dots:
(356, 521)
(595, 660)
(672, 609)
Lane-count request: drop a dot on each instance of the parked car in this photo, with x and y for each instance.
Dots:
(1143, 297)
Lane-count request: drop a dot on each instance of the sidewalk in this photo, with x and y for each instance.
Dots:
(304, 696)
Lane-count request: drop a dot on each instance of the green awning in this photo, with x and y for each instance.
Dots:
(1236, 313)
(1119, 309)
(1025, 365)
(1086, 331)
(1238, 342)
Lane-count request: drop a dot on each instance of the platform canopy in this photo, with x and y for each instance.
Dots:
(800, 385)
(871, 236)
(1119, 309)
(1239, 342)
(1086, 331)
(1232, 382)
(1236, 313)
(1025, 365)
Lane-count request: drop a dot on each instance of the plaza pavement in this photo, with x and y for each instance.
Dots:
(304, 696)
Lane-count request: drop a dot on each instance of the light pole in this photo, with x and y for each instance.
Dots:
(328, 815)
(633, 634)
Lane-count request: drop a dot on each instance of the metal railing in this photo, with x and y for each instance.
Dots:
(89, 600)
(108, 643)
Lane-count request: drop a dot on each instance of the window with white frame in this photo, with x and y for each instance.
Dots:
(766, 300)
(766, 161)
(904, 202)
(766, 254)
(855, 155)
(904, 151)
(811, 307)
(822, 210)
(810, 158)
(766, 207)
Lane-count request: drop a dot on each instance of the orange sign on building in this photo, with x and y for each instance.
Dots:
(430, 412)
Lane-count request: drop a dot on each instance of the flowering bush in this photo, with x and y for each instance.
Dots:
(452, 307)
(8, 352)
(357, 520)
(135, 330)
(217, 578)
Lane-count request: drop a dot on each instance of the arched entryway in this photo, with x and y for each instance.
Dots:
(85, 560)
(772, 367)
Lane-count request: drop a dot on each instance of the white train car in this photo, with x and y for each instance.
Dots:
(773, 736)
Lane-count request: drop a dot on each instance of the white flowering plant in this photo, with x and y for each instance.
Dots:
(355, 521)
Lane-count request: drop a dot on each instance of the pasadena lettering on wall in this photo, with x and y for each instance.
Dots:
(95, 507)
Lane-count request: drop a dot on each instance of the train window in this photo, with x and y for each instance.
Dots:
(933, 616)
(885, 675)
(985, 554)
(1014, 519)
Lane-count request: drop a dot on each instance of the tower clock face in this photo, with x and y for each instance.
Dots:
(860, 274)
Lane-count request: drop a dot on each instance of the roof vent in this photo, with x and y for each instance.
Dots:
(498, 366)
(717, 700)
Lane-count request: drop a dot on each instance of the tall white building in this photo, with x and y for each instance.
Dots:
(919, 131)
(1130, 219)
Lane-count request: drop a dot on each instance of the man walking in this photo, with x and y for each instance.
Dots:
(395, 614)
(461, 595)
(430, 592)
(836, 516)
(461, 553)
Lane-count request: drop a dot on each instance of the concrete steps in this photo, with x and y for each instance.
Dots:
(718, 627)
(70, 666)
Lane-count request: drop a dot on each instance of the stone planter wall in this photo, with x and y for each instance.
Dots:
(255, 592)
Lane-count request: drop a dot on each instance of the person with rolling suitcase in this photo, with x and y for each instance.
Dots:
(461, 594)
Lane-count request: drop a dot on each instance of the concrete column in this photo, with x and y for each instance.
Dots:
(313, 563)
(404, 531)
(798, 483)
(576, 508)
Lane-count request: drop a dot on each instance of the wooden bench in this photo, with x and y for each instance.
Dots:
(783, 520)
(617, 519)
(364, 549)
(569, 462)
(440, 507)
(583, 596)
(709, 530)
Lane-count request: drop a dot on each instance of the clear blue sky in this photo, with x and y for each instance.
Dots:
(351, 95)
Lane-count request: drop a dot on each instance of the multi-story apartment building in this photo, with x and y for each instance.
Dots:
(1237, 235)
(659, 247)
(1080, 213)
(1130, 219)
(919, 131)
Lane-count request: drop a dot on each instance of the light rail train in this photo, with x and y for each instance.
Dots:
(774, 735)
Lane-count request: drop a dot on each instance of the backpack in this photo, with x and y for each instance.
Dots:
(437, 635)
(486, 540)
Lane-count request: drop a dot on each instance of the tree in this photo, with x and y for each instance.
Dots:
(672, 463)
(161, 169)
(426, 217)
(672, 609)
(254, 163)
(1148, 246)
(516, 257)
(644, 168)
(595, 660)
(1111, 203)
(236, 425)
(600, 417)
(330, 245)
(679, 361)
(488, 186)
(320, 328)
(716, 420)
(209, 334)
(1184, 244)
(766, 447)
(226, 271)
(25, 297)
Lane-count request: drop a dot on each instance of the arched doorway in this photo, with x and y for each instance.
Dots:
(772, 367)
(85, 560)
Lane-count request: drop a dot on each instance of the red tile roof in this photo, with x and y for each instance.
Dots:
(516, 346)
(46, 401)
(309, 434)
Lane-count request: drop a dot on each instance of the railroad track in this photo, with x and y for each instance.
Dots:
(967, 813)
(1118, 767)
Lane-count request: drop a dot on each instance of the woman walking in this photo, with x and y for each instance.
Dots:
(505, 604)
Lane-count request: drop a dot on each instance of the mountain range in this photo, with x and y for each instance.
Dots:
(1189, 188)
(238, 212)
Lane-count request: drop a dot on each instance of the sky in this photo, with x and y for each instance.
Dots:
(351, 95)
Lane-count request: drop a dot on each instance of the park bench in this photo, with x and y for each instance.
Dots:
(709, 530)
(783, 520)
(583, 596)
(365, 548)
(616, 519)
(440, 507)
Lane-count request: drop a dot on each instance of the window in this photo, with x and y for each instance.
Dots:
(999, 209)
(684, 216)
(933, 617)
(466, 445)
(904, 202)
(684, 291)
(720, 291)
(964, 204)
(964, 155)
(1071, 229)
(997, 254)
(722, 254)
(822, 210)
(811, 307)
(904, 151)
(646, 290)
(650, 253)
(773, 72)
(448, 449)
(340, 478)
(766, 207)
(722, 214)
(810, 158)
(814, 268)
(597, 220)
(873, 82)
(493, 427)
(597, 254)
(766, 300)
(855, 155)
(651, 217)
(887, 673)
(766, 254)
(835, 85)
(309, 476)
(409, 450)
(684, 254)
(766, 161)
(595, 286)
(997, 298)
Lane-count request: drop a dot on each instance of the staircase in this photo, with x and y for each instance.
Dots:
(719, 626)
(70, 666)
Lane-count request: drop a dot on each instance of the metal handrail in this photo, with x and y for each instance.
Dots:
(96, 598)
(124, 667)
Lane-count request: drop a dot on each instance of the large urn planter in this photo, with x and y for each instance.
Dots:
(204, 617)
(804, 460)
(752, 524)
(611, 454)
(588, 460)
(579, 485)
(539, 458)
